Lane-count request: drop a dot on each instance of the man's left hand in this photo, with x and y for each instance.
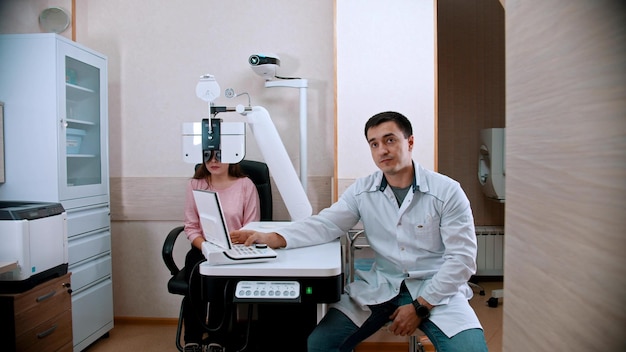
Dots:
(404, 320)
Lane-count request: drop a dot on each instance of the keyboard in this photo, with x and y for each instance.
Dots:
(240, 251)
(237, 255)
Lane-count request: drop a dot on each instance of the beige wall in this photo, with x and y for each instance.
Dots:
(19, 16)
(565, 279)
(157, 50)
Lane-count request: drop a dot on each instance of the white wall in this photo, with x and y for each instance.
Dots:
(385, 61)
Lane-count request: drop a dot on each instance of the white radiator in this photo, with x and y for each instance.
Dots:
(490, 257)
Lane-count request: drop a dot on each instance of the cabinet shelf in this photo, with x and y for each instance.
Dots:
(81, 122)
(77, 93)
(7, 266)
(81, 155)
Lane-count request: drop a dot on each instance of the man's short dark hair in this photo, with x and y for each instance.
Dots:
(403, 123)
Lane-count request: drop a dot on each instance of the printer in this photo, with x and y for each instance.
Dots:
(33, 236)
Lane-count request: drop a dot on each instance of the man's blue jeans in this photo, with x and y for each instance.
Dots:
(337, 333)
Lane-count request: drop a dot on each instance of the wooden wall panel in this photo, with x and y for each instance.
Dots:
(471, 96)
(566, 197)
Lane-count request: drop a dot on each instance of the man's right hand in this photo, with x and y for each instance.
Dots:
(405, 321)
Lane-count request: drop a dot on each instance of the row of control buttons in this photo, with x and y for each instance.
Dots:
(268, 289)
(257, 293)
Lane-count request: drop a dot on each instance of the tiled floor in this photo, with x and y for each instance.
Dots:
(152, 337)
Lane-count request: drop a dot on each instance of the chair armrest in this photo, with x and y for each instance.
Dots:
(168, 249)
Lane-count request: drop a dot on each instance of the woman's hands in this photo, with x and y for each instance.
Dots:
(197, 242)
(250, 237)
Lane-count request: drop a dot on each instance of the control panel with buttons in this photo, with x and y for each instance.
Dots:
(267, 291)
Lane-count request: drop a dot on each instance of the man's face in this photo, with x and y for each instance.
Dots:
(390, 150)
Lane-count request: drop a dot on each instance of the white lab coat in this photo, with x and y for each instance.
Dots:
(429, 242)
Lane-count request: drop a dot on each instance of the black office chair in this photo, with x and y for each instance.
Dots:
(258, 172)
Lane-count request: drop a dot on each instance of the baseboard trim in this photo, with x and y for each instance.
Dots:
(145, 321)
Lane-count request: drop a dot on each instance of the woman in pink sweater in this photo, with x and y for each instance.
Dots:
(240, 203)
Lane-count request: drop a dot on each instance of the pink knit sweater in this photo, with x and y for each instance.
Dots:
(240, 203)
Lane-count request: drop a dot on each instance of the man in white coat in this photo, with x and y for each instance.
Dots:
(420, 226)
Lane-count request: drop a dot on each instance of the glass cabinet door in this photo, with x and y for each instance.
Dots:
(83, 130)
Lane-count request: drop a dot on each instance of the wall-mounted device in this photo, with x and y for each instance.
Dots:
(491, 163)
(54, 20)
(264, 65)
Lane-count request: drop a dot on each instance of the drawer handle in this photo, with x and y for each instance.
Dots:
(46, 296)
(43, 334)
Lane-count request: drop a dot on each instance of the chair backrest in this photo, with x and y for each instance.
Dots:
(259, 173)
